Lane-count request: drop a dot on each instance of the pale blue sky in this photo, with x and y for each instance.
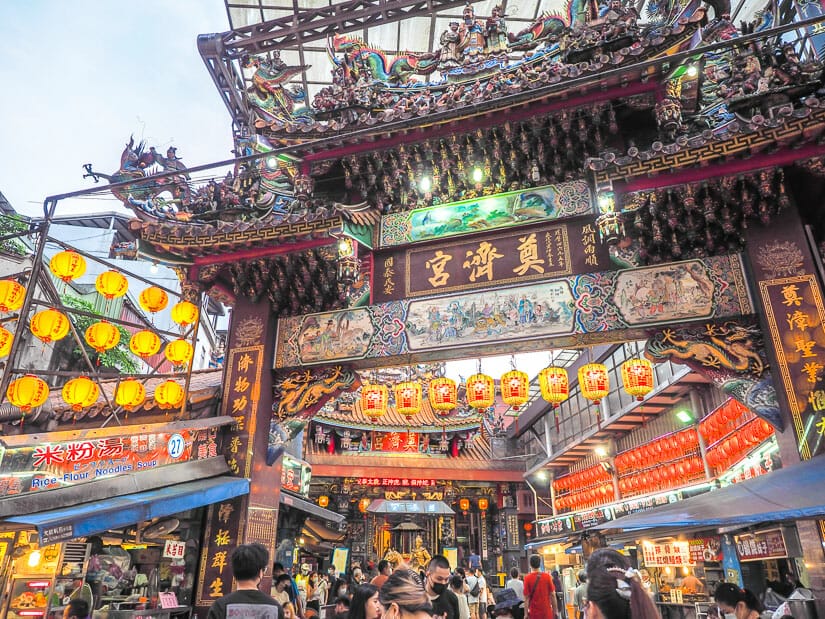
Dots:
(78, 77)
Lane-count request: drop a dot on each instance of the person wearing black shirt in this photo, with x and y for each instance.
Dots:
(444, 601)
(248, 564)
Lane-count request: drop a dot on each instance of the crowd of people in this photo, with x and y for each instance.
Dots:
(609, 588)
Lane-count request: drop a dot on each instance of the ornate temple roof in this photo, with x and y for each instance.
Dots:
(352, 416)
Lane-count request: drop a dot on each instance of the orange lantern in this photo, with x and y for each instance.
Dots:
(464, 505)
(554, 385)
(80, 392)
(11, 295)
(67, 265)
(102, 336)
(185, 313)
(481, 391)
(130, 393)
(323, 500)
(637, 377)
(374, 400)
(528, 526)
(27, 392)
(144, 343)
(49, 325)
(111, 284)
(443, 395)
(169, 394)
(153, 299)
(6, 339)
(179, 352)
(363, 504)
(515, 388)
(408, 395)
(594, 382)
(483, 504)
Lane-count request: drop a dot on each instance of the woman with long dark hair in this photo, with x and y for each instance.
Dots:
(617, 593)
(364, 603)
(733, 600)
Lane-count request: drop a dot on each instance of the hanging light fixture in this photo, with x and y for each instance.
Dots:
(323, 500)
(555, 387)
(80, 392)
(483, 504)
(11, 295)
(49, 325)
(169, 394)
(185, 313)
(637, 377)
(178, 352)
(27, 392)
(67, 265)
(594, 381)
(111, 284)
(408, 396)
(6, 339)
(515, 387)
(481, 390)
(130, 394)
(374, 400)
(102, 336)
(443, 395)
(464, 505)
(144, 343)
(153, 299)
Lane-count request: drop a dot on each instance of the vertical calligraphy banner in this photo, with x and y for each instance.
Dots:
(223, 532)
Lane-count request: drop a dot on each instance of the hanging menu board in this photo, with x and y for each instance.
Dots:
(666, 555)
(761, 545)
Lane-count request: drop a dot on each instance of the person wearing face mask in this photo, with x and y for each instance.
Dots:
(248, 563)
(444, 601)
(737, 603)
(281, 587)
(403, 597)
(617, 593)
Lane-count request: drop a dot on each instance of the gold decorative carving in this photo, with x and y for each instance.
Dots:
(300, 391)
(250, 331)
(781, 259)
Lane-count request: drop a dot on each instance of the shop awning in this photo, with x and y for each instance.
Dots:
(427, 508)
(117, 512)
(310, 508)
(790, 493)
(322, 533)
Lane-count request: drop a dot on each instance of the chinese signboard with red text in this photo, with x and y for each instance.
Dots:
(666, 555)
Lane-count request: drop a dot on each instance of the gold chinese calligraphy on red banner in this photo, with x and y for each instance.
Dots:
(241, 394)
(223, 533)
(796, 315)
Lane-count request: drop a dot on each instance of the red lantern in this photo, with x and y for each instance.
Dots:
(363, 504)
(528, 526)
(464, 505)
(637, 377)
(483, 504)
(594, 381)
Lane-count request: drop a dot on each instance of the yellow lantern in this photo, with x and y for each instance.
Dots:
(169, 394)
(554, 385)
(481, 391)
(130, 394)
(67, 265)
(102, 336)
(111, 284)
(185, 313)
(49, 325)
(363, 504)
(179, 352)
(323, 500)
(80, 392)
(408, 395)
(144, 343)
(637, 377)
(6, 339)
(374, 400)
(483, 504)
(443, 394)
(153, 299)
(11, 295)
(27, 392)
(594, 382)
(464, 505)
(515, 388)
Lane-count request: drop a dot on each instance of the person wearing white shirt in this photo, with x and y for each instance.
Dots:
(516, 584)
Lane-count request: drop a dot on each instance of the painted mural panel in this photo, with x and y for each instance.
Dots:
(486, 213)
(564, 308)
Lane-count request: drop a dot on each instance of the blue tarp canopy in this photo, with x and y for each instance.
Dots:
(791, 493)
(121, 511)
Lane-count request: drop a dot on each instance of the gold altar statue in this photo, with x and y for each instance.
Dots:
(419, 556)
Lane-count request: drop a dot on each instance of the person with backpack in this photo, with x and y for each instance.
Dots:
(473, 593)
(539, 592)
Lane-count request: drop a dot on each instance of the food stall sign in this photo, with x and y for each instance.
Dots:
(295, 475)
(667, 555)
(554, 526)
(174, 549)
(585, 520)
(706, 549)
(761, 545)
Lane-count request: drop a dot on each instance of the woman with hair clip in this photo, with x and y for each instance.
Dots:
(736, 602)
(402, 596)
(617, 593)
(364, 603)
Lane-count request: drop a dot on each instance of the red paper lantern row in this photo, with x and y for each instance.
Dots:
(582, 479)
(722, 421)
(592, 497)
(671, 447)
(731, 450)
(663, 477)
